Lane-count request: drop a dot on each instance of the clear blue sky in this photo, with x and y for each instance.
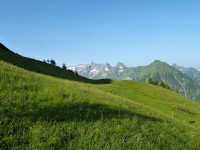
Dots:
(134, 32)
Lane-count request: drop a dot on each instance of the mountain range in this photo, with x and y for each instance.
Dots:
(183, 79)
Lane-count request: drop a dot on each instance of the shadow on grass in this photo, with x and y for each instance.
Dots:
(84, 112)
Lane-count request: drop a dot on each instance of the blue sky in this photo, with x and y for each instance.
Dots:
(134, 32)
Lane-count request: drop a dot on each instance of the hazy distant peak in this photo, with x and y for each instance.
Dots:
(181, 67)
(157, 62)
(191, 72)
(108, 65)
(177, 66)
(120, 65)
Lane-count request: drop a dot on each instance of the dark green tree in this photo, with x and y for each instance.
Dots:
(168, 87)
(53, 62)
(155, 82)
(150, 81)
(64, 67)
(162, 84)
(177, 90)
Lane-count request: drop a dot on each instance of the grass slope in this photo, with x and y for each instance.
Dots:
(38, 111)
(43, 112)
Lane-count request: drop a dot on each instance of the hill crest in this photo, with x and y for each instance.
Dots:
(2, 47)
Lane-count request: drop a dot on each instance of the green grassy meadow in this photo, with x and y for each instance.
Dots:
(39, 111)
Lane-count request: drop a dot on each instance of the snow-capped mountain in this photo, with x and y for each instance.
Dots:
(120, 67)
(91, 70)
(99, 71)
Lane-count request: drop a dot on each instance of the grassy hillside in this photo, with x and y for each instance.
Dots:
(61, 110)
(43, 112)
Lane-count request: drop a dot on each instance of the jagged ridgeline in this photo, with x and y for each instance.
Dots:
(64, 111)
(158, 70)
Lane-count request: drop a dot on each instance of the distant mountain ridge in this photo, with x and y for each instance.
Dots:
(90, 70)
(98, 71)
(157, 70)
(191, 72)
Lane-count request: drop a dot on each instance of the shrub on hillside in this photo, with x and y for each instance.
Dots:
(64, 67)
(53, 62)
(162, 84)
(167, 87)
(150, 80)
(155, 82)
(177, 91)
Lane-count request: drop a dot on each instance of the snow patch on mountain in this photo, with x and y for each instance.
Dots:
(94, 70)
(106, 69)
(72, 68)
(121, 70)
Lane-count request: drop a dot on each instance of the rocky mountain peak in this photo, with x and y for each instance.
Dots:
(108, 65)
(120, 65)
